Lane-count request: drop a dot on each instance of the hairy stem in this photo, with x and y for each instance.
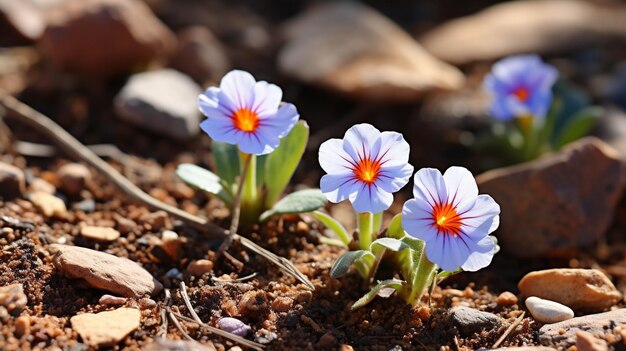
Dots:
(365, 223)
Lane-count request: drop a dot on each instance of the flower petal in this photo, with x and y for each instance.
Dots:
(280, 123)
(417, 220)
(481, 219)
(370, 198)
(394, 150)
(238, 86)
(267, 98)
(362, 141)
(338, 187)
(333, 159)
(430, 186)
(480, 255)
(461, 187)
(394, 178)
(258, 143)
(438, 252)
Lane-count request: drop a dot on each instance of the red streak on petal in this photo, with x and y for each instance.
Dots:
(446, 219)
(245, 120)
(367, 170)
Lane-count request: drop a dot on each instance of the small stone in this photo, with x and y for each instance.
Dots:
(587, 290)
(12, 297)
(563, 334)
(546, 311)
(353, 49)
(49, 205)
(87, 206)
(104, 271)
(162, 344)
(73, 178)
(282, 304)
(304, 296)
(470, 321)
(22, 326)
(345, 347)
(20, 23)
(327, 341)
(200, 55)
(199, 267)
(111, 300)
(587, 342)
(101, 234)
(128, 33)
(106, 328)
(39, 184)
(507, 298)
(164, 102)
(564, 205)
(12, 183)
(234, 326)
(172, 244)
(156, 220)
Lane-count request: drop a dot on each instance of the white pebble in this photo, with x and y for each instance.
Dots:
(546, 311)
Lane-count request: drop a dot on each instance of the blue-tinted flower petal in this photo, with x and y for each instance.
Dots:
(430, 186)
(461, 187)
(362, 140)
(338, 187)
(238, 86)
(417, 220)
(370, 198)
(267, 98)
(480, 254)
(478, 221)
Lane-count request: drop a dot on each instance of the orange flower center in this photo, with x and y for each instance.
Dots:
(446, 220)
(245, 120)
(367, 170)
(522, 94)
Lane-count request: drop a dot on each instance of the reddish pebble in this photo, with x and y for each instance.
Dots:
(506, 299)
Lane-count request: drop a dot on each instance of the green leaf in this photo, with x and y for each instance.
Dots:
(281, 164)
(395, 284)
(578, 126)
(395, 230)
(392, 244)
(298, 202)
(203, 179)
(332, 242)
(334, 226)
(344, 262)
(444, 274)
(227, 162)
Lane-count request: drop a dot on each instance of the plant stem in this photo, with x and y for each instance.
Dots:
(377, 222)
(423, 276)
(245, 169)
(365, 223)
(249, 196)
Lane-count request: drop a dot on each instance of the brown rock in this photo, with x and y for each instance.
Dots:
(12, 297)
(111, 300)
(42, 185)
(200, 55)
(11, 181)
(568, 198)
(20, 22)
(507, 298)
(103, 38)
(73, 178)
(350, 48)
(106, 328)
(563, 334)
(49, 205)
(587, 342)
(523, 348)
(102, 234)
(156, 220)
(282, 304)
(22, 326)
(199, 267)
(540, 26)
(104, 271)
(586, 290)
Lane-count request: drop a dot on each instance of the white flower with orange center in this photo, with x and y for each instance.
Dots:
(247, 113)
(452, 219)
(366, 167)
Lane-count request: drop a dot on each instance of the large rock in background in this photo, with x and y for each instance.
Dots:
(539, 26)
(561, 201)
(21, 22)
(103, 38)
(200, 55)
(350, 48)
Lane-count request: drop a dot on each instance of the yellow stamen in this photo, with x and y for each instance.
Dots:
(246, 120)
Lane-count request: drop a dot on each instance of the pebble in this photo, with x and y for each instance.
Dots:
(12, 181)
(199, 267)
(73, 178)
(164, 102)
(130, 35)
(200, 55)
(101, 234)
(87, 206)
(563, 334)
(42, 185)
(12, 297)
(580, 201)
(546, 311)
(22, 22)
(162, 344)
(506, 298)
(49, 205)
(587, 290)
(22, 326)
(155, 220)
(470, 321)
(106, 328)
(587, 342)
(327, 341)
(104, 271)
(234, 326)
(282, 304)
(111, 300)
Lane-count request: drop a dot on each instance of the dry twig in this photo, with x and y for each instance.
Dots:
(25, 114)
(509, 330)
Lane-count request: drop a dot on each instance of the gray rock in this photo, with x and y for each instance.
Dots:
(12, 181)
(234, 326)
(568, 200)
(470, 321)
(164, 102)
(12, 297)
(563, 334)
(104, 271)
(546, 311)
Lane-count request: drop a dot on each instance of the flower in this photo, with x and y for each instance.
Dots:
(246, 113)
(367, 166)
(520, 86)
(452, 219)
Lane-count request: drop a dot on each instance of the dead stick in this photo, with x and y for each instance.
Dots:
(509, 330)
(36, 120)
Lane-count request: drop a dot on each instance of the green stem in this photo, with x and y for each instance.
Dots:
(422, 278)
(249, 197)
(365, 223)
(377, 222)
